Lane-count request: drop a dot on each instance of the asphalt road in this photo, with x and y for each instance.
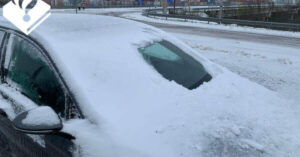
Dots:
(225, 34)
(233, 35)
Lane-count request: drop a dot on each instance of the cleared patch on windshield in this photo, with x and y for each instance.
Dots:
(174, 64)
(159, 51)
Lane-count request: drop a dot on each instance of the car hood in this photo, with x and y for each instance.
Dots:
(133, 111)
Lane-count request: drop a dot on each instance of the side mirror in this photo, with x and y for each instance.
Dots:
(41, 120)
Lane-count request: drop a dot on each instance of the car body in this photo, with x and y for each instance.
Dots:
(114, 101)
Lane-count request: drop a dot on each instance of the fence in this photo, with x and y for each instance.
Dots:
(276, 25)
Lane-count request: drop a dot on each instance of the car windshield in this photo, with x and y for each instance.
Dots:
(174, 64)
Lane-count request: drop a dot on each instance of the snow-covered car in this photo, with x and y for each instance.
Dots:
(98, 86)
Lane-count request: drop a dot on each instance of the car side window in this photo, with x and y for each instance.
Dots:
(30, 72)
(1, 36)
(1, 40)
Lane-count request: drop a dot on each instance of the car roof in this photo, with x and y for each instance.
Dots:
(89, 49)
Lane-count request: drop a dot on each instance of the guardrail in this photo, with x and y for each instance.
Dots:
(232, 7)
(287, 26)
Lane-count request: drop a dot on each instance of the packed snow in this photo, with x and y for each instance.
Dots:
(18, 98)
(275, 67)
(6, 106)
(43, 115)
(132, 110)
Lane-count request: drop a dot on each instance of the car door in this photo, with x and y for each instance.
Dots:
(29, 81)
(4, 149)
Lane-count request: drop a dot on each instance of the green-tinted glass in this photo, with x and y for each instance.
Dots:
(34, 77)
(1, 36)
(159, 51)
(174, 64)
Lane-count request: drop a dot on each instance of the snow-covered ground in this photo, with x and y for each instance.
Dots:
(95, 11)
(99, 11)
(113, 10)
(275, 67)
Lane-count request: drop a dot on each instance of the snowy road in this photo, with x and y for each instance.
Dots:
(274, 66)
(232, 35)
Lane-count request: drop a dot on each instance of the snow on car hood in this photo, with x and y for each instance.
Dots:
(135, 108)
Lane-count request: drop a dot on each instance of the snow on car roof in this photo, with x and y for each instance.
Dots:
(140, 110)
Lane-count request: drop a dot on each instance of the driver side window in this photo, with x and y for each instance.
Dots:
(31, 74)
(1, 36)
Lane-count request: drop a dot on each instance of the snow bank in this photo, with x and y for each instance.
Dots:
(43, 115)
(266, 64)
(20, 102)
(6, 106)
(99, 10)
